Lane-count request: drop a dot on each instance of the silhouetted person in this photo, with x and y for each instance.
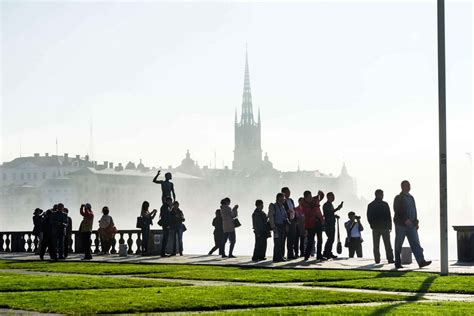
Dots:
(278, 220)
(261, 231)
(353, 228)
(292, 226)
(38, 228)
(167, 187)
(147, 221)
(380, 220)
(85, 229)
(314, 223)
(68, 236)
(218, 232)
(330, 224)
(45, 242)
(58, 222)
(106, 233)
(299, 213)
(177, 228)
(164, 222)
(406, 225)
(228, 215)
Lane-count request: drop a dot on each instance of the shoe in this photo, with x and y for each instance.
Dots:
(224, 256)
(232, 256)
(331, 256)
(209, 253)
(424, 264)
(181, 254)
(321, 258)
(263, 259)
(291, 258)
(378, 261)
(391, 261)
(254, 259)
(306, 259)
(398, 266)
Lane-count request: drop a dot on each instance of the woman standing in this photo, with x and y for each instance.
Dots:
(38, 228)
(85, 229)
(147, 220)
(177, 228)
(106, 230)
(228, 215)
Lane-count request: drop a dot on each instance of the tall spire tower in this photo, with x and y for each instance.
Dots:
(248, 149)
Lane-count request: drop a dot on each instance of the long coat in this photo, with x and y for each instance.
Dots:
(228, 216)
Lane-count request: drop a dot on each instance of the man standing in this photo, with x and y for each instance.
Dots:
(167, 187)
(380, 220)
(278, 219)
(330, 219)
(314, 223)
(164, 222)
(406, 225)
(260, 229)
(292, 235)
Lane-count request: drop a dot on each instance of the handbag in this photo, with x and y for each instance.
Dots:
(184, 228)
(139, 222)
(339, 246)
(236, 222)
(111, 230)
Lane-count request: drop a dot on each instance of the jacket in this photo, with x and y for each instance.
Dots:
(260, 223)
(228, 216)
(165, 216)
(87, 221)
(217, 223)
(312, 214)
(378, 215)
(400, 211)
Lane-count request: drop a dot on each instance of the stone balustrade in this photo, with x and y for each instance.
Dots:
(25, 241)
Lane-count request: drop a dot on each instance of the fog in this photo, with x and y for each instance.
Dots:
(335, 82)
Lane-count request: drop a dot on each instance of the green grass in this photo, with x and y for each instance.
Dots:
(402, 308)
(195, 272)
(13, 282)
(427, 283)
(186, 298)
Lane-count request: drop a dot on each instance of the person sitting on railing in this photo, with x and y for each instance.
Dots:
(85, 229)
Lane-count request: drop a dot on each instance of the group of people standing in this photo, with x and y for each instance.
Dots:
(300, 228)
(53, 229)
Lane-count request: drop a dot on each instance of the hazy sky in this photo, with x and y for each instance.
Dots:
(335, 81)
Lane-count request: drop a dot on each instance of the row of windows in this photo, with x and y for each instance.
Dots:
(31, 176)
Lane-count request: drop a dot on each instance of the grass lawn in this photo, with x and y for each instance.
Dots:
(427, 283)
(182, 298)
(402, 308)
(13, 282)
(196, 272)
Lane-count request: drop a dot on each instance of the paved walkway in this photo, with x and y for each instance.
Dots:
(245, 261)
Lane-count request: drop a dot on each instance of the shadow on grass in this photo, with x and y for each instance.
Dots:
(424, 287)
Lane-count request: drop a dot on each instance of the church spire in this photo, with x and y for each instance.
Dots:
(247, 110)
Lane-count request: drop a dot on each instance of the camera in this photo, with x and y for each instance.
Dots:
(357, 217)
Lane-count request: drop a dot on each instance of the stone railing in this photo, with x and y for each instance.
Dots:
(25, 241)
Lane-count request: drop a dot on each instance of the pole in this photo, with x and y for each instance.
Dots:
(443, 187)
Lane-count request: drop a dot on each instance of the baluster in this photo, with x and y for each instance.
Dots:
(96, 243)
(28, 243)
(70, 242)
(1, 243)
(35, 244)
(139, 243)
(7, 243)
(130, 243)
(22, 243)
(121, 240)
(113, 243)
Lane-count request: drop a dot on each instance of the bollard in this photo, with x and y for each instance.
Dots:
(406, 255)
(123, 250)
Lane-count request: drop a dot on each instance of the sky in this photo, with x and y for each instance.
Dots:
(352, 82)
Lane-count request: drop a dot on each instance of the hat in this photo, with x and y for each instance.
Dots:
(37, 211)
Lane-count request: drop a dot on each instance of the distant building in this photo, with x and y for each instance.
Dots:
(41, 181)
